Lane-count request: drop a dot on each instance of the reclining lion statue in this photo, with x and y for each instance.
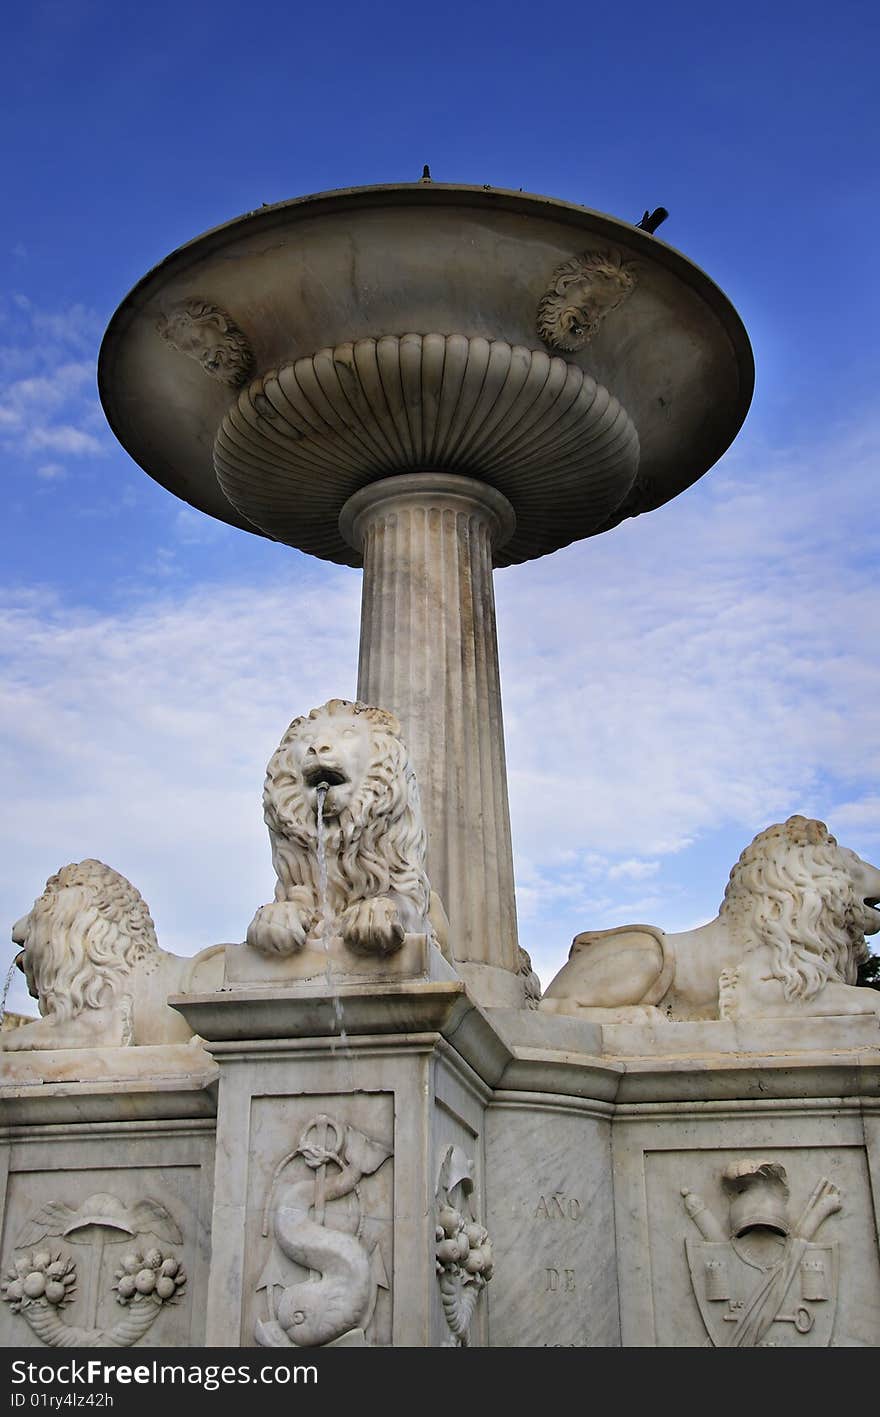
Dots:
(91, 959)
(350, 758)
(787, 942)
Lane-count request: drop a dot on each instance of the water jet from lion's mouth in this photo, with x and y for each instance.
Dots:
(319, 775)
(7, 984)
(326, 923)
(321, 791)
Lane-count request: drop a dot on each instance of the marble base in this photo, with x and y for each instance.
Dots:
(601, 1162)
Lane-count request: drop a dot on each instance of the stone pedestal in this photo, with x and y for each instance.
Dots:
(300, 1107)
(612, 1167)
(107, 1168)
(429, 651)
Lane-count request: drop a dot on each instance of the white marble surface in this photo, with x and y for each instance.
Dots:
(550, 1211)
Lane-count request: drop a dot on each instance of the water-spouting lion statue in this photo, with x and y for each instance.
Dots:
(787, 942)
(92, 961)
(376, 891)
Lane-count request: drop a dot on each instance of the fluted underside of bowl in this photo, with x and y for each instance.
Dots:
(301, 439)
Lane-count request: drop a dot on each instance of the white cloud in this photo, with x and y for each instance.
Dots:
(64, 439)
(142, 738)
(633, 869)
(48, 400)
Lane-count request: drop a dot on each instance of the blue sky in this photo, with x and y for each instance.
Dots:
(724, 670)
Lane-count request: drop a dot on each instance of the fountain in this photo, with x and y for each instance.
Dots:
(431, 381)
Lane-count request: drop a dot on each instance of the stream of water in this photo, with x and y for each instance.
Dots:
(327, 921)
(7, 985)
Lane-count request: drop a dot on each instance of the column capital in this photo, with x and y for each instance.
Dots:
(414, 488)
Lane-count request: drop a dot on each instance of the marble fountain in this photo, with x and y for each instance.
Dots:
(362, 1125)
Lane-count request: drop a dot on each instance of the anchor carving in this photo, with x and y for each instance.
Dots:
(336, 1302)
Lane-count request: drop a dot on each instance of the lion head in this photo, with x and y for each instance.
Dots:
(373, 834)
(809, 900)
(582, 292)
(88, 929)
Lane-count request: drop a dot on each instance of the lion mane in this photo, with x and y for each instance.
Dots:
(792, 890)
(91, 927)
(377, 846)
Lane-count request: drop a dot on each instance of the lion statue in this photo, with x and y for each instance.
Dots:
(364, 878)
(787, 943)
(91, 959)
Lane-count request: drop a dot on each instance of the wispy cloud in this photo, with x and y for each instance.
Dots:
(63, 438)
(48, 401)
(142, 738)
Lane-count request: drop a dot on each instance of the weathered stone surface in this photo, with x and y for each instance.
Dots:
(690, 1277)
(399, 404)
(106, 1224)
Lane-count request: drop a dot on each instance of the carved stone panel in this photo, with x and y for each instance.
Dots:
(320, 1222)
(769, 1250)
(98, 1258)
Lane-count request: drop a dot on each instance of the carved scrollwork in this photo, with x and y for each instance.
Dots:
(582, 293)
(463, 1250)
(204, 332)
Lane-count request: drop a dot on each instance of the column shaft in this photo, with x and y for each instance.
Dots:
(429, 652)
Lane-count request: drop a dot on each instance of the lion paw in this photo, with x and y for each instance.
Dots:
(278, 929)
(372, 926)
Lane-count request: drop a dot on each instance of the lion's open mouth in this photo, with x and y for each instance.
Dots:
(317, 773)
(870, 924)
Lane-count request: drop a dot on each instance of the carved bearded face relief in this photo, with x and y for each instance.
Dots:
(209, 335)
(582, 293)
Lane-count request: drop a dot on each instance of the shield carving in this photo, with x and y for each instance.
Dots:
(790, 1303)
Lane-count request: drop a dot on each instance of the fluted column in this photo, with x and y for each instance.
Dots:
(429, 652)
